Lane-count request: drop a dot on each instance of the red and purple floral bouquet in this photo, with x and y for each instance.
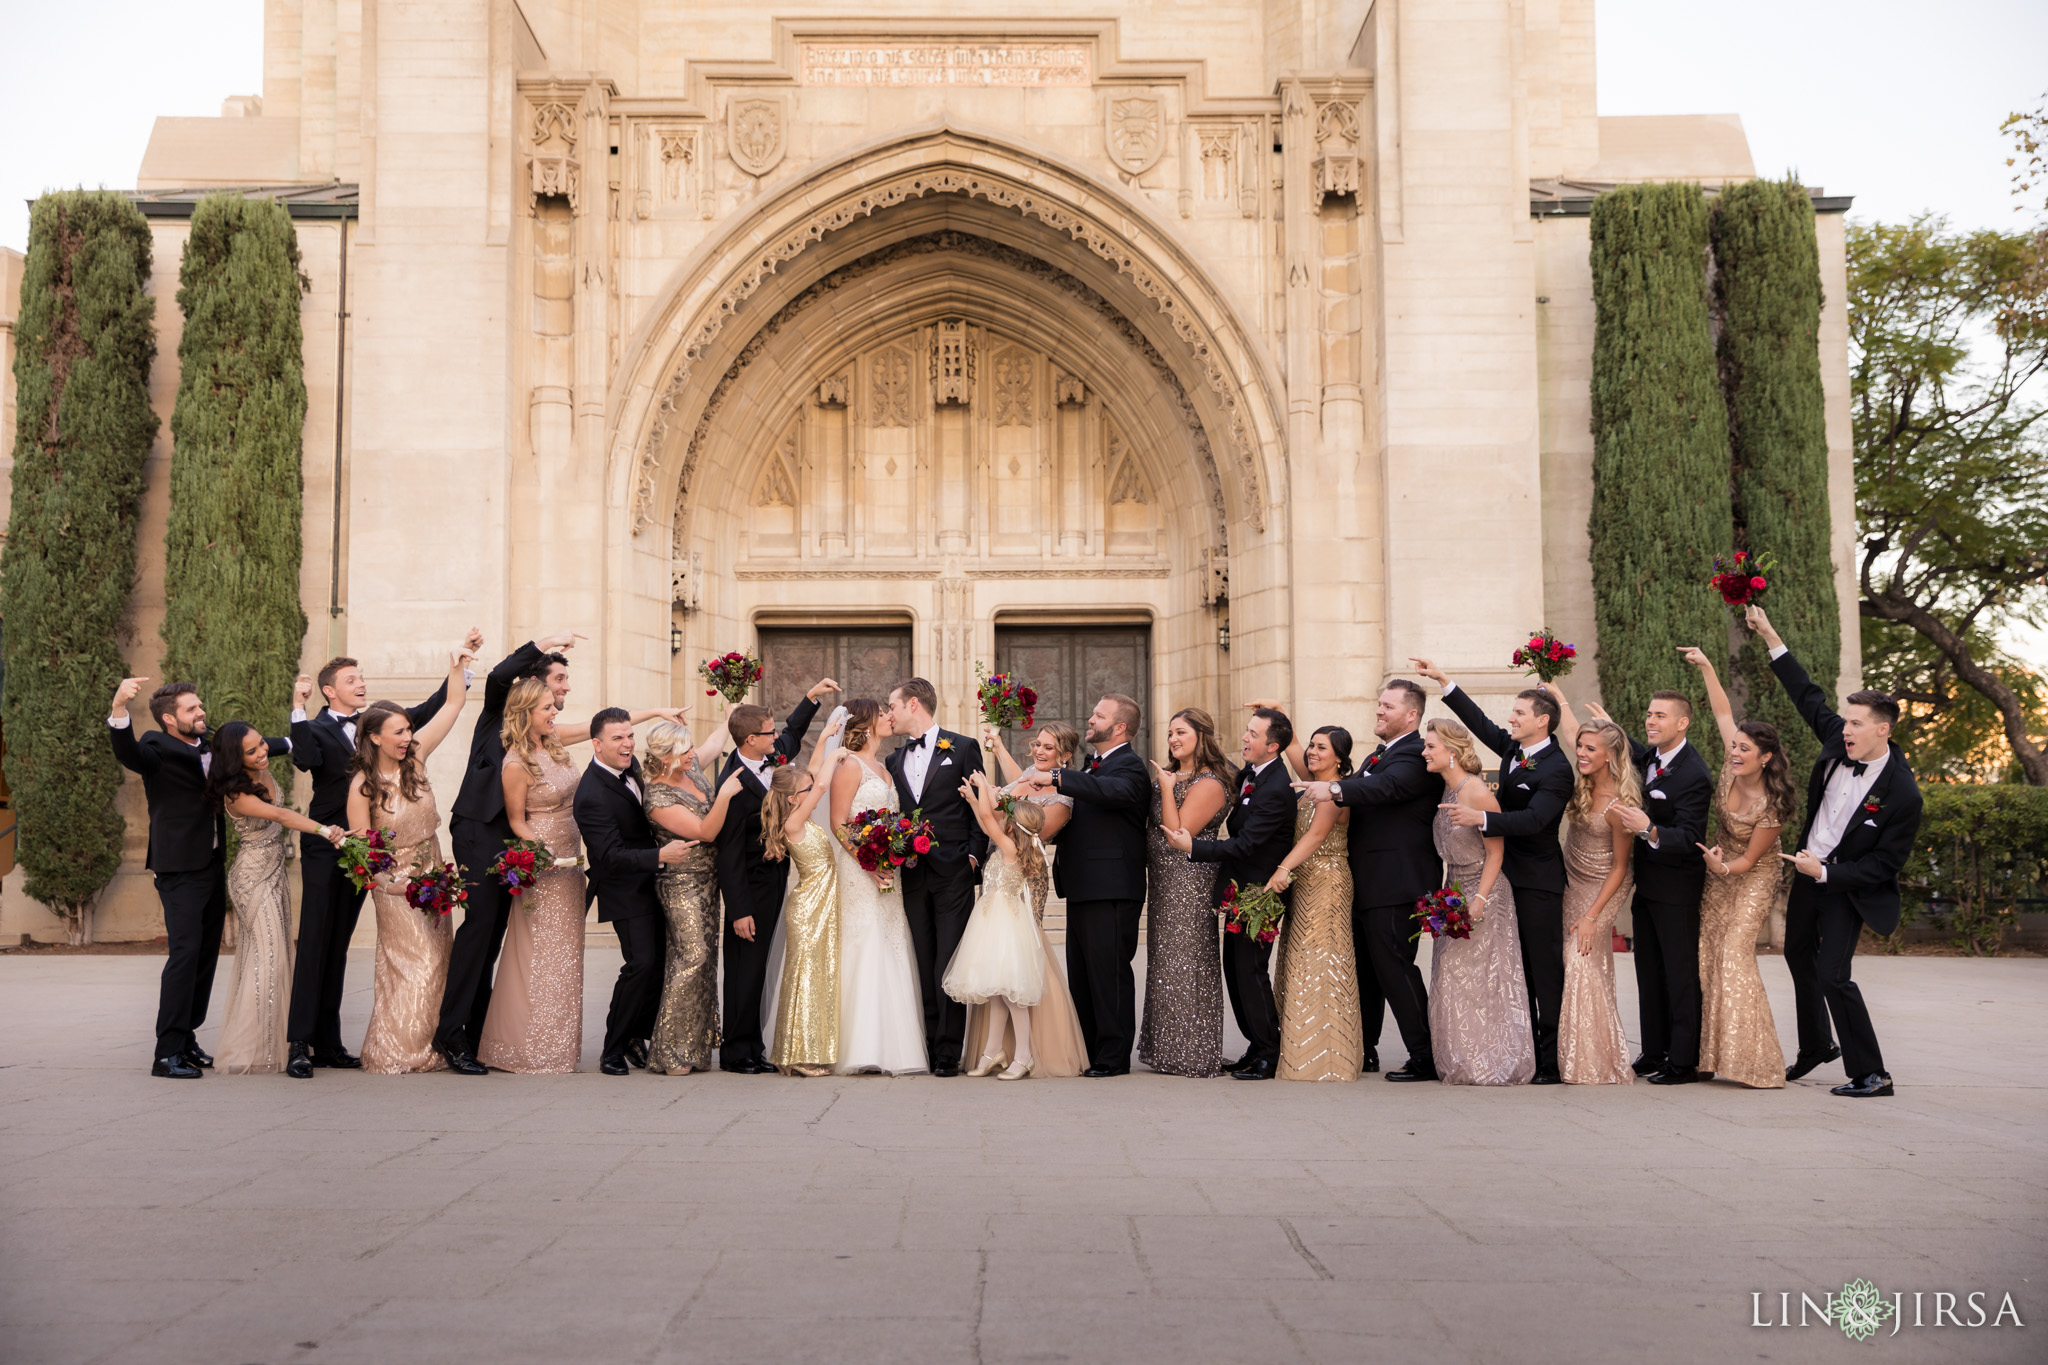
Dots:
(882, 840)
(435, 890)
(1254, 911)
(522, 862)
(730, 675)
(1548, 657)
(364, 856)
(1741, 578)
(1005, 702)
(1442, 914)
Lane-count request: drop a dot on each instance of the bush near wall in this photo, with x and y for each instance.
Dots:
(1982, 851)
(84, 342)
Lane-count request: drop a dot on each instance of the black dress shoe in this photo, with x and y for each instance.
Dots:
(1676, 1075)
(461, 1063)
(1232, 1068)
(1646, 1065)
(636, 1053)
(1868, 1087)
(1412, 1072)
(1372, 1059)
(1546, 1078)
(198, 1056)
(1096, 1072)
(614, 1064)
(1260, 1070)
(337, 1059)
(1804, 1062)
(176, 1068)
(300, 1065)
(945, 1069)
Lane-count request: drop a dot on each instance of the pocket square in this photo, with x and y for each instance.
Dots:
(945, 763)
(1523, 785)
(1660, 796)
(1871, 823)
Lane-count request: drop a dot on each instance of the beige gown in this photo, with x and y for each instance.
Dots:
(1591, 1047)
(252, 1034)
(1738, 1036)
(1057, 1048)
(412, 947)
(535, 1023)
(1316, 988)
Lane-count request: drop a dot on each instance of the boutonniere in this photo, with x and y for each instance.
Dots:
(1521, 761)
(945, 744)
(1373, 762)
(1872, 806)
(1246, 790)
(779, 759)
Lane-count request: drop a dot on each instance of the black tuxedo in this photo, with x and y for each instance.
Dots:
(479, 830)
(187, 852)
(623, 857)
(330, 903)
(1533, 795)
(1261, 828)
(938, 894)
(752, 888)
(1393, 799)
(1823, 920)
(1666, 909)
(1101, 872)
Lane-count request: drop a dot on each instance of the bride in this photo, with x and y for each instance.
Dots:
(881, 1014)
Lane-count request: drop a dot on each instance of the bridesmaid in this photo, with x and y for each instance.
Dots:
(389, 789)
(1317, 987)
(680, 805)
(252, 1034)
(1591, 1047)
(807, 1003)
(1478, 1002)
(535, 1021)
(1182, 1032)
(1738, 1036)
(1053, 745)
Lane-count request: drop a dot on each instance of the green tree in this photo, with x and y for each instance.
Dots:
(233, 624)
(1768, 296)
(1948, 333)
(1660, 449)
(85, 338)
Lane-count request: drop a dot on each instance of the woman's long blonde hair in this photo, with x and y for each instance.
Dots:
(1620, 766)
(1458, 740)
(1026, 823)
(517, 730)
(775, 808)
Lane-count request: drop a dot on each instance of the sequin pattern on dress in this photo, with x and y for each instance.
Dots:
(686, 1022)
(1738, 1036)
(535, 1023)
(1182, 1030)
(1316, 983)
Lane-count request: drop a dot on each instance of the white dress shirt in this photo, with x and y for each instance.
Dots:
(760, 768)
(1841, 801)
(918, 761)
(631, 785)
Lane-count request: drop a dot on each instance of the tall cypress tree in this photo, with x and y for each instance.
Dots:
(83, 425)
(1660, 450)
(233, 624)
(1768, 295)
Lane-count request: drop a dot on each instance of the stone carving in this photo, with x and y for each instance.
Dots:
(1013, 389)
(889, 406)
(778, 486)
(552, 166)
(685, 572)
(1152, 570)
(1134, 127)
(1219, 150)
(1128, 483)
(754, 133)
(1215, 576)
(1247, 184)
(832, 390)
(1067, 390)
(898, 64)
(952, 363)
(1336, 159)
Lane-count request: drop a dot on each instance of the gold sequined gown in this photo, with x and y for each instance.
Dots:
(252, 1034)
(535, 1023)
(1591, 1048)
(1738, 1036)
(1181, 1033)
(807, 1005)
(412, 947)
(1478, 1001)
(1316, 988)
(686, 1022)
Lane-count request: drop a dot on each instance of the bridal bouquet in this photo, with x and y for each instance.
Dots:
(364, 856)
(522, 862)
(881, 840)
(1253, 910)
(1740, 577)
(730, 675)
(1005, 702)
(1442, 914)
(1548, 657)
(436, 890)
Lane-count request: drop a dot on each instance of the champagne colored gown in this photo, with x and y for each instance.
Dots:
(1057, 1049)
(1478, 1002)
(1738, 1036)
(807, 1005)
(1317, 986)
(1591, 1047)
(412, 946)
(686, 1022)
(535, 1023)
(252, 1034)
(1181, 1033)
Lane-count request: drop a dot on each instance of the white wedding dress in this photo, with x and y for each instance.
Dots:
(881, 1013)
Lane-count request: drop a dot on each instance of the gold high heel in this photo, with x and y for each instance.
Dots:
(1019, 1069)
(989, 1062)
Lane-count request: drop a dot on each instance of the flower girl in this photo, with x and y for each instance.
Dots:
(1000, 962)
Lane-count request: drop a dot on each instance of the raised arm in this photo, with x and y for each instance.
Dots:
(981, 799)
(1466, 710)
(121, 731)
(1567, 723)
(713, 746)
(1717, 696)
(1807, 698)
(1006, 765)
(442, 720)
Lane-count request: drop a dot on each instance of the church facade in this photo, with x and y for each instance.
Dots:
(1207, 352)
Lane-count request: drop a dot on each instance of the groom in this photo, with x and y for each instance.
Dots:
(938, 893)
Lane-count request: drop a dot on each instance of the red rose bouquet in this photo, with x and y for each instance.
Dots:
(1253, 910)
(1741, 578)
(364, 856)
(436, 890)
(1442, 914)
(1548, 657)
(730, 675)
(1005, 702)
(522, 862)
(882, 840)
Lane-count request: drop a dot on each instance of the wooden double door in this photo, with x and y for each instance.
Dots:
(865, 662)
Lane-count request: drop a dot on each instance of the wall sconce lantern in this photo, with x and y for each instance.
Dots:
(675, 638)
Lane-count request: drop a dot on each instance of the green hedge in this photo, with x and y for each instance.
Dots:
(1981, 851)
(85, 338)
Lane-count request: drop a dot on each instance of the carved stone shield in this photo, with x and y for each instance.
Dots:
(754, 133)
(1134, 130)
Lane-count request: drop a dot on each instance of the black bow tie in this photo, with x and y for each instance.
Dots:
(917, 743)
(1855, 769)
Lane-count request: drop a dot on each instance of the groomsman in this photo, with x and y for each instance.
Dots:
(325, 746)
(1393, 799)
(1261, 827)
(1535, 787)
(938, 894)
(611, 815)
(1101, 872)
(751, 885)
(1862, 814)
